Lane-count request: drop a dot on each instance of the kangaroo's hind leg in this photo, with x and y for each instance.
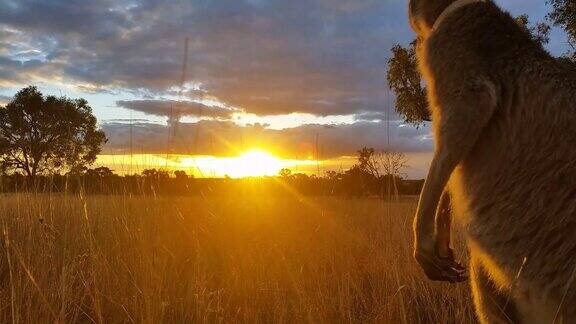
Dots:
(492, 305)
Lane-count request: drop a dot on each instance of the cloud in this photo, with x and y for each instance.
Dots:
(224, 138)
(370, 116)
(175, 109)
(4, 100)
(267, 57)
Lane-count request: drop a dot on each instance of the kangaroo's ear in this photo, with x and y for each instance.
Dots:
(416, 18)
(413, 12)
(423, 14)
(413, 8)
(411, 5)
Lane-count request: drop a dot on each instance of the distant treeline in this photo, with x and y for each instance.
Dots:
(158, 183)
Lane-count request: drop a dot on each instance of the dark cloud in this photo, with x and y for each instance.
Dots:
(175, 109)
(12, 70)
(71, 17)
(267, 57)
(325, 57)
(223, 138)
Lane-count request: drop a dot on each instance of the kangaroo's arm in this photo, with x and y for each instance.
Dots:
(443, 226)
(463, 115)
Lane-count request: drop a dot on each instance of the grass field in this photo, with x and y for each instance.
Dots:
(115, 259)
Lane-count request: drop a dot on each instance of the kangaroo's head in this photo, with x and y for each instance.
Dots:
(424, 13)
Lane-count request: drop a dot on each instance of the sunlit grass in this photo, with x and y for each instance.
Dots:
(232, 259)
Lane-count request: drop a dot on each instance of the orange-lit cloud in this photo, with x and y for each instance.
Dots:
(228, 139)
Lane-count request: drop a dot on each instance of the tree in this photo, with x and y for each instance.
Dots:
(363, 177)
(381, 164)
(285, 173)
(100, 172)
(393, 163)
(333, 175)
(40, 134)
(540, 32)
(367, 162)
(155, 174)
(180, 175)
(405, 80)
(564, 15)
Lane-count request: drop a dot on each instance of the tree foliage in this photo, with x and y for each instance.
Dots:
(564, 15)
(40, 134)
(180, 174)
(366, 161)
(285, 173)
(100, 172)
(155, 174)
(405, 80)
(540, 31)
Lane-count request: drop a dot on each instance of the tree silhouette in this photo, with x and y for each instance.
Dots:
(540, 32)
(155, 174)
(381, 164)
(367, 162)
(393, 163)
(285, 173)
(40, 134)
(405, 80)
(100, 172)
(181, 175)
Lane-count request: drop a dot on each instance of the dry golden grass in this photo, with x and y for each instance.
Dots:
(181, 260)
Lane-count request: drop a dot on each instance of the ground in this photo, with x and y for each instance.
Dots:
(74, 258)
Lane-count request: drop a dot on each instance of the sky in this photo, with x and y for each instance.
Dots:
(270, 74)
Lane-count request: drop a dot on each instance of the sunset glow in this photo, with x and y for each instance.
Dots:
(251, 163)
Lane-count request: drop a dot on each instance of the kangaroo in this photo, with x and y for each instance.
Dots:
(504, 120)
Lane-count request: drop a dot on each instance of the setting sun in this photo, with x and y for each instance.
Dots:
(255, 163)
(252, 163)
